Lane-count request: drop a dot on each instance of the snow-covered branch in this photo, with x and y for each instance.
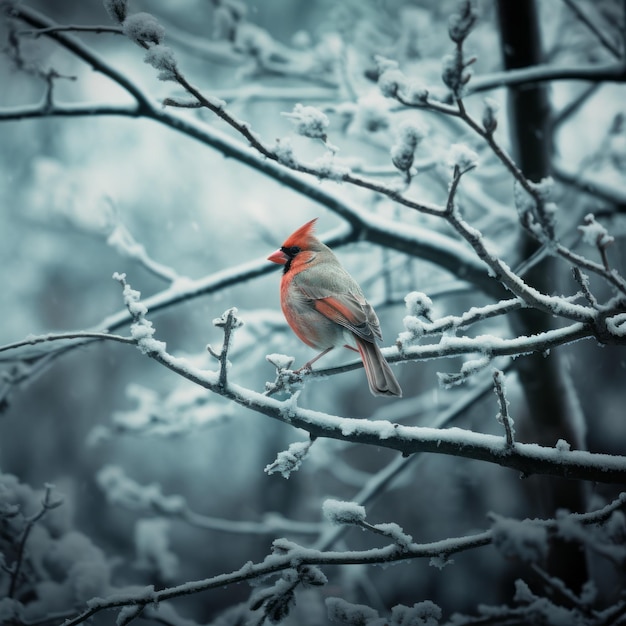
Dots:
(287, 555)
(526, 458)
(120, 490)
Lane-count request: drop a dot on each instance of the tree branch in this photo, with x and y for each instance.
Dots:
(528, 459)
(610, 72)
(288, 553)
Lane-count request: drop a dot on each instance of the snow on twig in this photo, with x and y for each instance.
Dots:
(287, 553)
(527, 458)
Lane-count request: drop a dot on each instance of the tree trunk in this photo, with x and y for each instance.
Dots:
(553, 409)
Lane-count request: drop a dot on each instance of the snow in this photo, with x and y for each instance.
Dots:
(342, 612)
(440, 561)
(143, 29)
(460, 24)
(162, 58)
(122, 490)
(523, 594)
(10, 610)
(152, 547)
(132, 595)
(340, 512)
(417, 93)
(525, 540)
(424, 613)
(415, 329)
(594, 233)
(490, 114)
(280, 361)
(289, 460)
(453, 76)
(371, 115)
(462, 156)
(408, 136)
(563, 446)
(117, 9)
(141, 329)
(328, 168)
(310, 122)
(283, 150)
(396, 533)
(391, 81)
(544, 188)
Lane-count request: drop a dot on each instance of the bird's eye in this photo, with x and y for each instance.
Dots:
(291, 251)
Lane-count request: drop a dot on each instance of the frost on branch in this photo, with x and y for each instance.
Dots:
(309, 121)
(490, 115)
(340, 611)
(289, 460)
(525, 540)
(418, 305)
(283, 150)
(144, 29)
(616, 325)
(340, 512)
(121, 490)
(278, 600)
(286, 380)
(594, 233)
(152, 547)
(462, 157)
(162, 59)
(455, 72)
(117, 9)
(469, 368)
(395, 533)
(460, 24)
(391, 80)
(141, 329)
(408, 137)
(371, 115)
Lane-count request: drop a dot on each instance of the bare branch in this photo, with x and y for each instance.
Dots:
(612, 72)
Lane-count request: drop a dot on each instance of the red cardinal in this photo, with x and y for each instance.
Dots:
(326, 308)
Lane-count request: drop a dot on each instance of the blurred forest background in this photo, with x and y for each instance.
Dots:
(84, 196)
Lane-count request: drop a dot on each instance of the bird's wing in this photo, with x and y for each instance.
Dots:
(337, 296)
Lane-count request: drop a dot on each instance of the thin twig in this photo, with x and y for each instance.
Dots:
(311, 556)
(71, 28)
(229, 322)
(46, 506)
(503, 415)
(583, 281)
(52, 337)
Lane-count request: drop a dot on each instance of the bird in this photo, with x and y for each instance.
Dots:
(326, 308)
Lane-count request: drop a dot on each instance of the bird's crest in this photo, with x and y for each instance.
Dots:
(303, 236)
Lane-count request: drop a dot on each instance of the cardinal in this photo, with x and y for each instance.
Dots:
(326, 308)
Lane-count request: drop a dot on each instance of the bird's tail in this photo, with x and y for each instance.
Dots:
(380, 378)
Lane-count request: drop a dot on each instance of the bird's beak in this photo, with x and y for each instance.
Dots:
(278, 257)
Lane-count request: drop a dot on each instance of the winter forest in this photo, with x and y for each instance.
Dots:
(167, 458)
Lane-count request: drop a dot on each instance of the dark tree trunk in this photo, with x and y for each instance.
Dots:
(553, 410)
